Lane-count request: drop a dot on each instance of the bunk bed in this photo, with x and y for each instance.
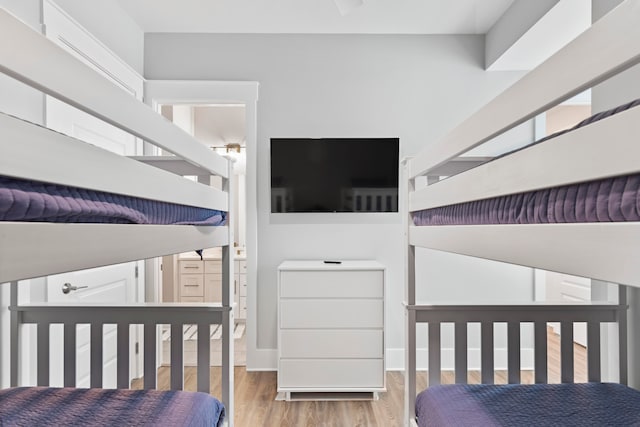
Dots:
(67, 205)
(528, 208)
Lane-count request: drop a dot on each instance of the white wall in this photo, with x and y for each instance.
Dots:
(413, 87)
(109, 23)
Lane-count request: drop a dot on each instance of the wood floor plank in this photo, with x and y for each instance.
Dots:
(255, 395)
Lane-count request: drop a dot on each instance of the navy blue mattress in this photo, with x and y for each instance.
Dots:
(517, 405)
(607, 200)
(41, 406)
(22, 200)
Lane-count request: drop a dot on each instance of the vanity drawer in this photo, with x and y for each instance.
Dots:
(191, 285)
(191, 267)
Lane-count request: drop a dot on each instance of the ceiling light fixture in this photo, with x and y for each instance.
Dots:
(346, 6)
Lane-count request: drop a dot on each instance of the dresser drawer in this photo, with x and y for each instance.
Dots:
(241, 266)
(333, 343)
(213, 267)
(331, 313)
(191, 267)
(191, 285)
(332, 284)
(331, 374)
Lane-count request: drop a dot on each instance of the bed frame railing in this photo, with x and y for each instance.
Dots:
(514, 316)
(546, 86)
(91, 92)
(150, 316)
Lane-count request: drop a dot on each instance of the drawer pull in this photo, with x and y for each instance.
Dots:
(187, 285)
(192, 266)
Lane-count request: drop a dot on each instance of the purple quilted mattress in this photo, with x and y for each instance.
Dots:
(606, 200)
(41, 406)
(517, 405)
(22, 200)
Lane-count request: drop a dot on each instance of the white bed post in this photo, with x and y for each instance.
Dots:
(622, 336)
(228, 299)
(13, 335)
(410, 314)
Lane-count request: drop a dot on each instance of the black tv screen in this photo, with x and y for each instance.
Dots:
(334, 174)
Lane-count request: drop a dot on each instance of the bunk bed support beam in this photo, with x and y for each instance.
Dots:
(622, 336)
(15, 319)
(571, 252)
(31, 257)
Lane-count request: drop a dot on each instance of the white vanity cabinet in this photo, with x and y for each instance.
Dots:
(201, 281)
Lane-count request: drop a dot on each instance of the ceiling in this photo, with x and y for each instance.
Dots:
(316, 16)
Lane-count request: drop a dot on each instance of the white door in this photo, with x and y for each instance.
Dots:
(111, 284)
(566, 288)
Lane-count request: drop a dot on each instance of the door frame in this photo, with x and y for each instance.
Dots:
(203, 92)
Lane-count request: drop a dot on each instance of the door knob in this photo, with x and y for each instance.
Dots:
(68, 287)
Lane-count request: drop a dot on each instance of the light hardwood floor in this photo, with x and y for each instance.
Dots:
(255, 394)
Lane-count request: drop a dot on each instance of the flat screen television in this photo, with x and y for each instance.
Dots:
(334, 174)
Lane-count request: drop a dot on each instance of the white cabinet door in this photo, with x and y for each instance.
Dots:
(111, 284)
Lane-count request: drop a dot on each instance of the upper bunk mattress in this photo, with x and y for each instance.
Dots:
(591, 404)
(39, 406)
(607, 200)
(22, 200)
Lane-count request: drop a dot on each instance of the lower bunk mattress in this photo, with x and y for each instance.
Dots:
(23, 200)
(590, 404)
(40, 406)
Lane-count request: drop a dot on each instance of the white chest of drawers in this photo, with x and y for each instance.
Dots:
(331, 327)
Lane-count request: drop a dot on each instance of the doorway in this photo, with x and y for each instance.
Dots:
(193, 277)
(196, 93)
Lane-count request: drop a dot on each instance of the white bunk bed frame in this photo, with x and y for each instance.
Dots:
(29, 250)
(566, 248)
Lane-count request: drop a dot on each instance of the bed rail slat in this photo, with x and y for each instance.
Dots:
(150, 372)
(123, 355)
(434, 353)
(566, 352)
(487, 357)
(204, 350)
(540, 352)
(593, 351)
(622, 336)
(177, 357)
(513, 352)
(461, 352)
(69, 355)
(43, 354)
(96, 354)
